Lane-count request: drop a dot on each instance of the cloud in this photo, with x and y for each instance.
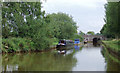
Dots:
(88, 14)
(84, 3)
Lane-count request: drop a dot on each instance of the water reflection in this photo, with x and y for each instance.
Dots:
(77, 47)
(111, 65)
(10, 68)
(38, 62)
(87, 58)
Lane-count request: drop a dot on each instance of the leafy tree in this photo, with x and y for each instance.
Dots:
(25, 19)
(98, 34)
(111, 28)
(81, 33)
(105, 32)
(91, 33)
(63, 25)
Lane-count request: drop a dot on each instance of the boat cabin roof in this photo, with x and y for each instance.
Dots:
(70, 41)
(76, 39)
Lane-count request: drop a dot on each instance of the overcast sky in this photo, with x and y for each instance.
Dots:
(88, 14)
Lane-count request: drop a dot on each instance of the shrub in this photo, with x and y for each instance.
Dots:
(17, 44)
(119, 42)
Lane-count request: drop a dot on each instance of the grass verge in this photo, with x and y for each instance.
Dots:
(113, 45)
(112, 49)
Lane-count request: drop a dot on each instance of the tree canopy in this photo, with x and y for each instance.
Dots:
(112, 24)
(62, 25)
(27, 20)
(90, 33)
(81, 33)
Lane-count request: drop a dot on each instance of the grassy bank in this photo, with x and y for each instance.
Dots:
(17, 45)
(113, 45)
(112, 49)
(21, 45)
(0, 44)
(110, 56)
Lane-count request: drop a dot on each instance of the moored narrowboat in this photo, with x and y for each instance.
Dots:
(77, 41)
(64, 44)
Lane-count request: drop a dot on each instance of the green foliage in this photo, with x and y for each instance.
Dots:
(106, 32)
(27, 20)
(81, 33)
(111, 28)
(17, 15)
(114, 45)
(62, 25)
(17, 44)
(109, 56)
(78, 36)
(118, 42)
(90, 33)
(55, 41)
(98, 34)
(0, 44)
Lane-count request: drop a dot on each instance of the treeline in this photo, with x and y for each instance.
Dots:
(26, 21)
(111, 29)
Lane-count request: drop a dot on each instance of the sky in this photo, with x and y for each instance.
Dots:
(88, 14)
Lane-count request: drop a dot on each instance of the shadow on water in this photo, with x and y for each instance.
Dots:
(47, 61)
(111, 65)
(90, 57)
(96, 45)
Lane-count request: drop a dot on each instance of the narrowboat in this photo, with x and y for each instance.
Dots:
(64, 44)
(77, 41)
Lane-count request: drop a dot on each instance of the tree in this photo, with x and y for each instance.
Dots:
(104, 31)
(111, 28)
(17, 15)
(98, 34)
(91, 33)
(81, 33)
(26, 20)
(63, 25)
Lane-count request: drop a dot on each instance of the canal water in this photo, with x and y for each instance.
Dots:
(79, 58)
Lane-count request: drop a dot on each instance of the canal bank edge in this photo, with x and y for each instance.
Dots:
(114, 55)
(22, 45)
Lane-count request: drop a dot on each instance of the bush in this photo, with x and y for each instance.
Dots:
(42, 43)
(26, 44)
(17, 44)
(119, 42)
